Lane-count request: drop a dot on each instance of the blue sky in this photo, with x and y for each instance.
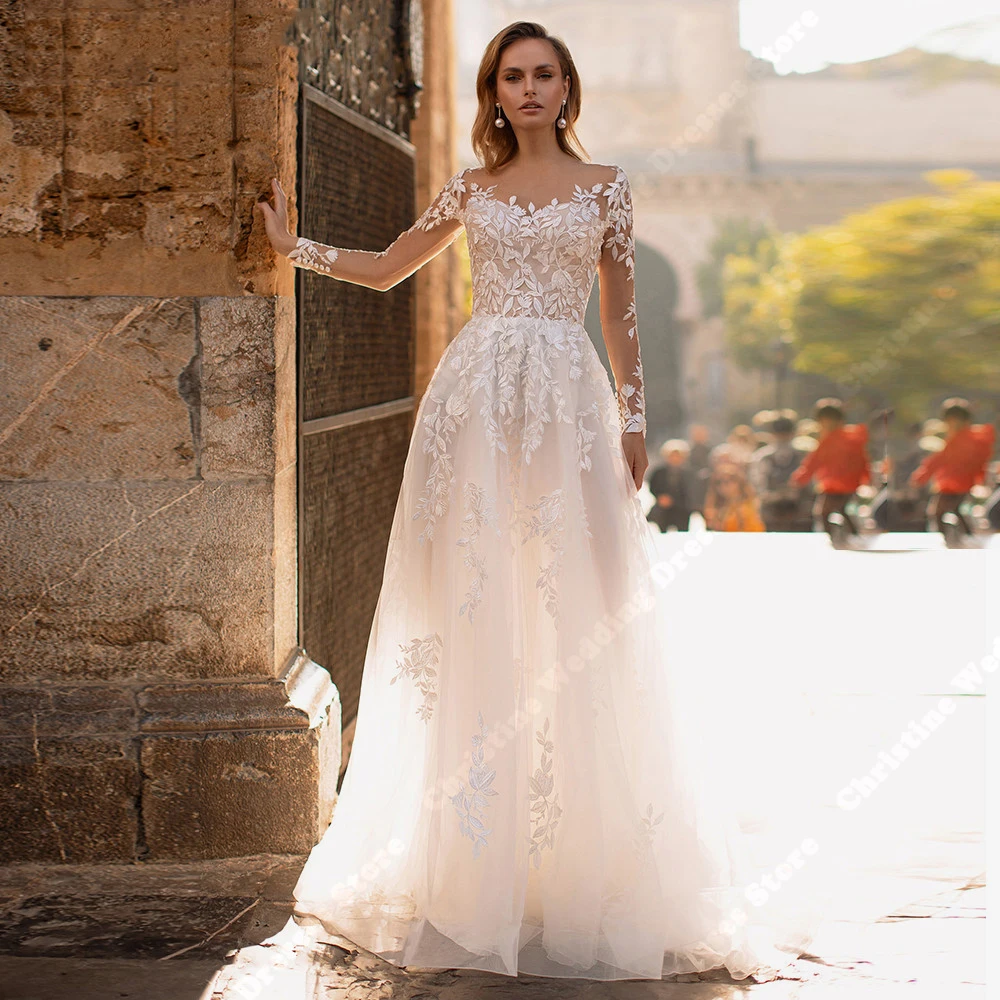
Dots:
(853, 30)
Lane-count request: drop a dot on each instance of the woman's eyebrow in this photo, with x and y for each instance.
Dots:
(517, 69)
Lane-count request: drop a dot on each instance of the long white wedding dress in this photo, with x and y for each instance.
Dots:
(524, 792)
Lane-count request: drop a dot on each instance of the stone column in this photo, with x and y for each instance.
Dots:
(154, 702)
(441, 283)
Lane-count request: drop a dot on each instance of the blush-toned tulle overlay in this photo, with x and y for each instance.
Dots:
(532, 787)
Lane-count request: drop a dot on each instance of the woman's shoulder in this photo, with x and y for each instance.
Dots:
(612, 172)
(607, 174)
(479, 174)
(590, 173)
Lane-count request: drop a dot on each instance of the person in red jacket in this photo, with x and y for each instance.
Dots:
(959, 465)
(839, 463)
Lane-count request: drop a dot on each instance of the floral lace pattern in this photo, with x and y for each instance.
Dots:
(533, 263)
(526, 262)
(479, 513)
(541, 262)
(418, 663)
(312, 255)
(510, 368)
(545, 810)
(532, 605)
(471, 802)
(546, 517)
(383, 269)
(621, 243)
(645, 831)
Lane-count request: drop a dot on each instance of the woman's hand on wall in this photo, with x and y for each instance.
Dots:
(276, 220)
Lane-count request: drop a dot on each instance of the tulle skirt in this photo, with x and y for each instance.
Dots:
(530, 788)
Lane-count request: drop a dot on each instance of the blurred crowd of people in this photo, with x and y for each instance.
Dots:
(786, 473)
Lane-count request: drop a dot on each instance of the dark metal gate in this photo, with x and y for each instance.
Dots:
(356, 353)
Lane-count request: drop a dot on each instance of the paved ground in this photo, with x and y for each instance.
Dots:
(909, 923)
(929, 947)
(908, 920)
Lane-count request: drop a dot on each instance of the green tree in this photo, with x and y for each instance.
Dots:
(757, 302)
(738, 237)
(901, 300)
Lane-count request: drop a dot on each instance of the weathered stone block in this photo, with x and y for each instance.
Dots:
(96, 395)
(228, 767)
(229, 793)
(102, 46)
(237, 386)
(69, 800)
(80, 710)
(113, 119)
(213, 794)
(120, 580)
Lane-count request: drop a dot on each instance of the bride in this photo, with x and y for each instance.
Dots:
(525, 791)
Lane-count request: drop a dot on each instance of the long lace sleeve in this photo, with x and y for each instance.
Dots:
(437, 227)
(619, 323)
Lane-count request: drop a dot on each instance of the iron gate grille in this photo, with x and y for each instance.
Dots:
(356, 354)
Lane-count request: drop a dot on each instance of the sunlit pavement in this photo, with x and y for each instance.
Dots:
(813, 662)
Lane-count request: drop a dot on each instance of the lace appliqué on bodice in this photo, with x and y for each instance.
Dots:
(533, 262)
(538, 263)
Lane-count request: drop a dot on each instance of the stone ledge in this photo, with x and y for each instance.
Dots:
(297, 700)
(172, 771)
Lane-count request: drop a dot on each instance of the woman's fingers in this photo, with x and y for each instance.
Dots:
(275, 216)
(266, 211)
(281, 205)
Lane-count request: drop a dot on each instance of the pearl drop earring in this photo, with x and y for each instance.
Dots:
(500, 123)
(561, 123)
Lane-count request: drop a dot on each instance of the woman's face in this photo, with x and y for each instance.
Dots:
(529, 72)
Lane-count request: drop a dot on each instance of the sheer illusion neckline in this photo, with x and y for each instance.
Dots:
(488, 192)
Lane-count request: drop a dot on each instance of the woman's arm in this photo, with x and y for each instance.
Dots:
(437, 227)
(619, 324)
(618, 317)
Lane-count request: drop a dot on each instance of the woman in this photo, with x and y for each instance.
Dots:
(522, 794)
(731, 504)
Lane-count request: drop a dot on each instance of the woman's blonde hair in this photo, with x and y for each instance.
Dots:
(495, 146)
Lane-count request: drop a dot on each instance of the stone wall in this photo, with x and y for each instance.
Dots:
(440, 283)
(901, 122)
(134, 141)
(154, 702)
